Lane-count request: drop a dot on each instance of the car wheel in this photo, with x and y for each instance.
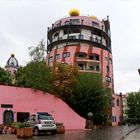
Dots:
(36, 131)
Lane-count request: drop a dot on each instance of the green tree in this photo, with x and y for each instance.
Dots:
(20, 77)
(5, 77)
(133, 106)
(64, 78)
(90, 95)
(35, 74)
(37, 53)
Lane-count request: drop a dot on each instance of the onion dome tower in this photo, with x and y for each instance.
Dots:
(12, 64)
(83, 41)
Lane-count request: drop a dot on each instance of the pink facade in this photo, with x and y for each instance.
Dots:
(116, 109)
(28, 100)
(85, 42)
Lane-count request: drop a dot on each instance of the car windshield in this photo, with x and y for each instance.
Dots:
(45, 117)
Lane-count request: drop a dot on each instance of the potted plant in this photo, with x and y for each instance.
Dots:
(24, 130)
(14, 127)
(60, 128)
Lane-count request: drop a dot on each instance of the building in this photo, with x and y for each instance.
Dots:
(12, 64)
(117, 109)
(83, 41)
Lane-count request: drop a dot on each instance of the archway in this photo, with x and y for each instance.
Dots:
(8, 117)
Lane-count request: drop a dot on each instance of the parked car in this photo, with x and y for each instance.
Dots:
(42, 122)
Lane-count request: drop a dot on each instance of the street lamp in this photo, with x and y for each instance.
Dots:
(90, 121)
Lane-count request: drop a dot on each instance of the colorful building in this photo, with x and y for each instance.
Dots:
(84, 41)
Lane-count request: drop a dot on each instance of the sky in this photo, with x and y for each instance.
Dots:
(23, 23)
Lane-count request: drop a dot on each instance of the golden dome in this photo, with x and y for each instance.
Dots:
(74, 12)
(12, 55)
(93, 17)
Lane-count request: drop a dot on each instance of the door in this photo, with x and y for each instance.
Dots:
(8, 117)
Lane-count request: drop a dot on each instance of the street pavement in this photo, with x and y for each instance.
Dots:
(107, 133)
(135, 135)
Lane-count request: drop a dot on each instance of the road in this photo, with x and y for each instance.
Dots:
(107, 133)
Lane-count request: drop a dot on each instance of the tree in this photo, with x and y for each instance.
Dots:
(63, 79)
(133, 106)
(90, 95)
(20, 77)
(36, 75)
(5, 77)
(37, 53)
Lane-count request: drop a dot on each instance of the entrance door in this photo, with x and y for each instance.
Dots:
(8, 117)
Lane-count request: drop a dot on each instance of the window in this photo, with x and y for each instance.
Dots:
(118, 102)
(56, 34)
(96, 39)
(95, 24)
(113, 102)
(81, 55)
(107, 67)
(81, 66)
(57, 56)
(72, 37)
(75, 21)
(67, 22)
(80, 36)
(94, 57)
(108, 79)
(97, 68)
(66, 54)
(114, 118)
(110, 60)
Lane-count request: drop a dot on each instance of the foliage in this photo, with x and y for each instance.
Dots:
(133, 107)
(35, 74)
(5, 77)
(63, 79)
(20, 77)
(37, 53)
(23, 124)
(90, 95)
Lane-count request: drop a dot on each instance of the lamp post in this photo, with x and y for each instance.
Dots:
(90, 121)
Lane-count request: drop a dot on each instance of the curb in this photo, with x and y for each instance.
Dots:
(129, 133)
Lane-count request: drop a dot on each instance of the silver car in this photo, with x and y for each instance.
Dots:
(42, 122)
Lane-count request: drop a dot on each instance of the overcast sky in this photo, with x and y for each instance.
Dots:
(23, 23)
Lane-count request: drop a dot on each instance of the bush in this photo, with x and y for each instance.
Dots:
(23, 124)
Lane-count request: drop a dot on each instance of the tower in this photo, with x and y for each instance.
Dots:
(83, 41)
(12, 64)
